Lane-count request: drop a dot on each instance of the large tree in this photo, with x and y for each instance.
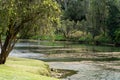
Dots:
(96, 17)
(20, 15)
(76, 10)
(113, 22)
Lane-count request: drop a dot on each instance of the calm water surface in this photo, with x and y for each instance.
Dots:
(69, 52)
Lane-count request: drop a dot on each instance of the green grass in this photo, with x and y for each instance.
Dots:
(24, 69)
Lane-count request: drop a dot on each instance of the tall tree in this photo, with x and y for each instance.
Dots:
(96, 17)
(113, 22)
(76, 10)
(17, 14)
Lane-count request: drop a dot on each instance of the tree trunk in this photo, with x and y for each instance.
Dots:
(3, 57)
(7, 47)
(13, 29)
(5, 50)
(65, 4)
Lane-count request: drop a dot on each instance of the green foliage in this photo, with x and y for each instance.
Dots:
(76, 10)
(46, 23)
(59, 37)
(18, 17)
(35, 16)
(113, 22)
(103, 39)
(117, 37)
(86, 38)
(96, 18)
(66, 27)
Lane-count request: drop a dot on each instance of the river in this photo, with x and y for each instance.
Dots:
(91, 62)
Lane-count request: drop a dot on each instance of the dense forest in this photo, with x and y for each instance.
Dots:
(91, 21)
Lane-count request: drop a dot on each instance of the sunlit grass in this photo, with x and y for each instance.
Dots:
(24, 69)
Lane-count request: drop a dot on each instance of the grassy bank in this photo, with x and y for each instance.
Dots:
(24, 69)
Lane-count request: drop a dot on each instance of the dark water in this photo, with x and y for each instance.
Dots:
(68, 53)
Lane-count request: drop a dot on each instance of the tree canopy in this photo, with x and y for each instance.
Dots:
(18, 16)
(98, 19)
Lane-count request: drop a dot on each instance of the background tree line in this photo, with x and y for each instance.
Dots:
(90, 20)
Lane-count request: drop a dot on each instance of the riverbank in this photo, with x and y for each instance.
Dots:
(25, 69)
